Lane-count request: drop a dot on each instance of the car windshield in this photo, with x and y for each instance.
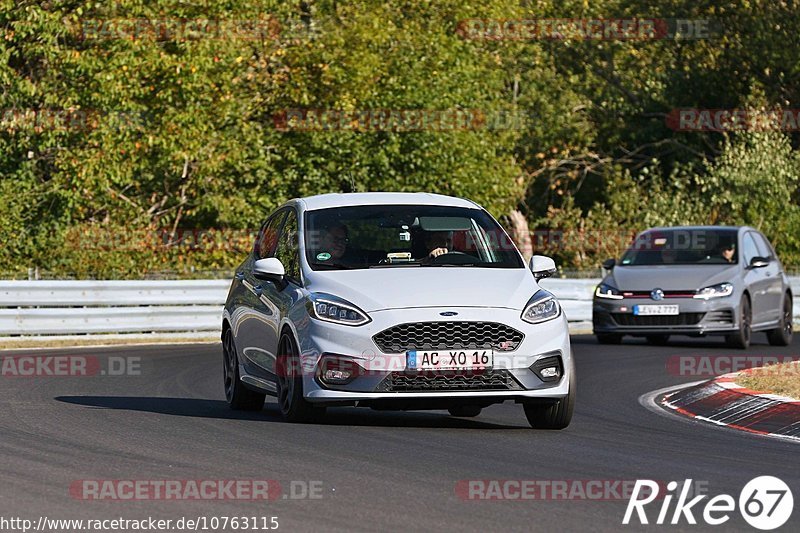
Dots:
(386, 236)
(702, 246)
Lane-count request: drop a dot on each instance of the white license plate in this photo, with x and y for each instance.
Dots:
(449, 359)
(655, 309)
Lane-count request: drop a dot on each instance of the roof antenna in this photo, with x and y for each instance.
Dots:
(354, 187)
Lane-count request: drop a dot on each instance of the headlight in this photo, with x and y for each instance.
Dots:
(541, 308)
(333, 309)
(715, 291)
(604, 290)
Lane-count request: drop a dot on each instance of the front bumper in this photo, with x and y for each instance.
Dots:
(696, 317)
(356, 343)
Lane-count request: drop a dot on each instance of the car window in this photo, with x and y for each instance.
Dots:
(384, 236)
(764, 249)
(267, 239)
(682, 246)
(288, 250)
(749, 248)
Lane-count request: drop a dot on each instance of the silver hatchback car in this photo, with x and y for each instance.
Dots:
(698, 280)
(394, 301)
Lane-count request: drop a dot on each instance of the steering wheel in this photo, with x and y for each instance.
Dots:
(454, 257)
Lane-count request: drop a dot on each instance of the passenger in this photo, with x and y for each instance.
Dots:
(668, 256)
(333, 241)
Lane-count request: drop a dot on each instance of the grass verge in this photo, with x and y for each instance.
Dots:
(782, 379)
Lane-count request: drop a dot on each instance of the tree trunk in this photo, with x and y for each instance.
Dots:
(520, 233)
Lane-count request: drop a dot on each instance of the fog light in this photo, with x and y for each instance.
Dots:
(549, 372)
(337, 370)
(549, 368)
(337, 376)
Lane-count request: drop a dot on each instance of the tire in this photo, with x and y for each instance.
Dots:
(239, 397)
(465, 411)
(553, 415)
(294, 407)
(741, 339)
(657, 340)
(782, 336)
(609, 338)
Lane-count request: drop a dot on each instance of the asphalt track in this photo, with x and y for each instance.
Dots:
(379, 471)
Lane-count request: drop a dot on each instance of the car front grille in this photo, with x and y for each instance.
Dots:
(667, 294)
(448, 335)
(682, 319)
(497, 380)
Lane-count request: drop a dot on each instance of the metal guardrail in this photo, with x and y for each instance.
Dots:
(179, 306)
(574, 295)
(80, 307)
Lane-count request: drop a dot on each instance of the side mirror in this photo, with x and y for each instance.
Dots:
(759, 262)
(542, 266)
(269, 269)
(608, 264)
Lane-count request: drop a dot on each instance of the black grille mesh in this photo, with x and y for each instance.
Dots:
(444, 381)
(448, 335)
(683, 319)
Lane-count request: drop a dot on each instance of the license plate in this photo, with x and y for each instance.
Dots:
(449, 359)
(655, 309)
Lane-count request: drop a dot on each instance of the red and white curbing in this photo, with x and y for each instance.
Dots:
(724, 402)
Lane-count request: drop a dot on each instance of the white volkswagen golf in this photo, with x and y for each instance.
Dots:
(394, 301)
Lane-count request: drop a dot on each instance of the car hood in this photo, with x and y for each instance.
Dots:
(402, 287)
(670, 277)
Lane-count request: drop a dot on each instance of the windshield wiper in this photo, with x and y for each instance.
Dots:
(332, 266)
(394, 265)
(453, 264)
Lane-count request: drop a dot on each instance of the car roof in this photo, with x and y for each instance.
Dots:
(738, 229)
(325, 201)
(694, 228)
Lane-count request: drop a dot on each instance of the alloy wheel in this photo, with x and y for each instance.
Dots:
(286, 380)
(229, 364)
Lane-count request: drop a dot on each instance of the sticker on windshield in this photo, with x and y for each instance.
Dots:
(323, 256)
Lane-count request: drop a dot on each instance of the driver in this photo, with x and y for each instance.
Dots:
(438, 243)
(728, 252)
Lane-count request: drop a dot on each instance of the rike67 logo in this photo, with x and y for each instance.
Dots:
(765, 503)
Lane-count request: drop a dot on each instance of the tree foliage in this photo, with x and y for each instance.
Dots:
(126, 126)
